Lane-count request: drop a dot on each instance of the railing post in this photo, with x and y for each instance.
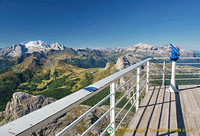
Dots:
(138, 88)
(147, 82)
(112, 105)
(163, 79)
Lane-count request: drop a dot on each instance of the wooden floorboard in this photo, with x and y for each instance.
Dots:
(197, 99)
(143, 126)
(186, 113)
(173, 116)
(137, 119)
(161, 111)
(196, 112)
(191, 112)
(165, 115)
(154, 122)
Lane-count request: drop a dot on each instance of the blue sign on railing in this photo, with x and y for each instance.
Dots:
(91, 89)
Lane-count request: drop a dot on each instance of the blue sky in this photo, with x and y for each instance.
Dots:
(101, 23)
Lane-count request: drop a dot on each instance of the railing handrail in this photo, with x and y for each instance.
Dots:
(166, 70)
(35, 120)
(164, 58)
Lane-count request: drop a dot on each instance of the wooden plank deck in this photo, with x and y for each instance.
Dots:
(164, 113)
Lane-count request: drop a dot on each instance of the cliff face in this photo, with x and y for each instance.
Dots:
(21, 104)
(24, 103)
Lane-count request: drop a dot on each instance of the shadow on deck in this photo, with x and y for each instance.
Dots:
(164, 113)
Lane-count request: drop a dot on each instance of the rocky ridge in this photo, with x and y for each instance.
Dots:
(143, 50)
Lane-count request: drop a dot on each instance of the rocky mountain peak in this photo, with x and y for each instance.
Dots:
(14, 50)
(141, 46)
(57, 46)
(121, 63)
(125, 61)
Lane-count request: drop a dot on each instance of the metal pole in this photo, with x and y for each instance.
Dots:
(163, 83)
(172, 87)
(112, 105)
(138, 88)
(147, 83)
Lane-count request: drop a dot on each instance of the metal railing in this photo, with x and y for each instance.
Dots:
(113, 115)
(187, 69)
(135, 81)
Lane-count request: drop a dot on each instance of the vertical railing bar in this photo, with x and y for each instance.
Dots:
(137, 88)
(147, 83)
(112, 105)
(163, 79)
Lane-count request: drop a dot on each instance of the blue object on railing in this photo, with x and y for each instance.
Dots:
(175, 53)
(91, 89)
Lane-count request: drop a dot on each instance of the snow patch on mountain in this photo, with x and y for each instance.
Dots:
(37, 46)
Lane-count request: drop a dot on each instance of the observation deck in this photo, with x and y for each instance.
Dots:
(167, 113)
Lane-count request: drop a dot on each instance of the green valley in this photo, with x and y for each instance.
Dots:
(52, 75)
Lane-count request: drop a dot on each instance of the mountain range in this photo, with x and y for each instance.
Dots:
(144, 49)
(17, 50)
